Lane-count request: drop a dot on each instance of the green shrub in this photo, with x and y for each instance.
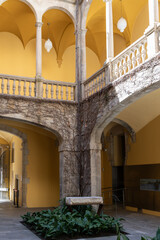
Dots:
(157, 237)
(79, 221)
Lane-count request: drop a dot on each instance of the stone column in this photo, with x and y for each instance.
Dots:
(151, 32)
(69, 175)
(83, 58)
(109, 31)
(39, 80)
(95, 156)
(153, 12)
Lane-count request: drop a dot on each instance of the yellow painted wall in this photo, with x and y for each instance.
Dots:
(119, 44)
(146, 150)
(141, 23)
(20, 61)
(14, 58)
(16, 166)
(43, 171)
(93, 63)
(43, 165)
(5, 149)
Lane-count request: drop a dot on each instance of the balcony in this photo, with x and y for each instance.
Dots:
(132, 57)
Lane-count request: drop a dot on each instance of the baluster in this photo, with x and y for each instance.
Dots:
(57, 91)
(46, 90)
(138, 55)
(93, 86)
(7, 86)
(129, 63)
(35, 89)
(88, 89)
(72, 97)
(101, 81)
(133, 59)
(85, 90)
(25, 88)
(120, 68)
(66, 92)
(51, 91)
(124, 65)
(61, 92)
(116, 70)
(30, 88)
(104, 80)
(2, 85)
(14, 86)
(144, 52)
(19, 87)
(99, 78)
(96, 85)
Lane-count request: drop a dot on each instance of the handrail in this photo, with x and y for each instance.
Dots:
(30, 87)
(59, 83)
(113, 190)
(14, 77)
(139, 40)
(94, 75)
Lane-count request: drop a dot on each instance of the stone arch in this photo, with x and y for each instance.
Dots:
(85, 9)
(63, 9)
(25, 151)
(28, 3)
(116, 97)
(127, 127)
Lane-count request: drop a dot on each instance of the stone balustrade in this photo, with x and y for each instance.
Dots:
(58, 90)
(19, 86)
(26, 87)
(95, 83)
(136, 54)
(130, 58)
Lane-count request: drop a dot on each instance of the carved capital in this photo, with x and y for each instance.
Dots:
(110, 1)
(38, 24)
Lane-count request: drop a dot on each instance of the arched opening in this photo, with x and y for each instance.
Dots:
(130, 165)
(17, 39)
(136, 15)
(113, 160)
(33, 167)
(59, 63)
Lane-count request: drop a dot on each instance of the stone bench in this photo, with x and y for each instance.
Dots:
(74, 201)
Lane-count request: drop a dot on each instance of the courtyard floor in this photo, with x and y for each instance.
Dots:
(135, 224)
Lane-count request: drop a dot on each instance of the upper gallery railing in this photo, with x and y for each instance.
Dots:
(134, 55)
(27, 87)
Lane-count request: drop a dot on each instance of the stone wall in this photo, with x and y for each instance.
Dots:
(80, 141)
(101, 108)
(59, 118)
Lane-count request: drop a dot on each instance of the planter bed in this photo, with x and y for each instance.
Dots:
(65, 223)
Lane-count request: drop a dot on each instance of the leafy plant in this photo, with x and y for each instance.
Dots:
(69, 222)
(157, 237)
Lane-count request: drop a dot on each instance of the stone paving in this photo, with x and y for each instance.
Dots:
(136, 224)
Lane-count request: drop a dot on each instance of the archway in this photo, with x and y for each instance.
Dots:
(38, 182)
(17, 27)
(59, 63)
(141, 179)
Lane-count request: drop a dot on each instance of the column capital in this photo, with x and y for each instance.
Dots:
(107, 1)
(38, 24)
(80, 31)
